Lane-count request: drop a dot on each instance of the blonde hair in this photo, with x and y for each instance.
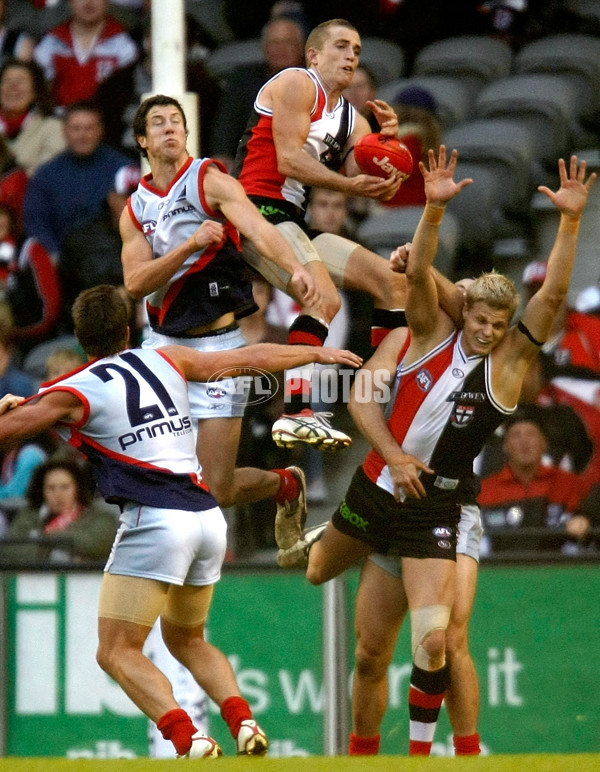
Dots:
(495, 290)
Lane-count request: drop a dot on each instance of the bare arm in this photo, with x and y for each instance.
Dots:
(143, 274)
(422, 295)
(292, 98)
(20, 421)
(225, 193)
(269, 357)
(570, 200)
(368, 415)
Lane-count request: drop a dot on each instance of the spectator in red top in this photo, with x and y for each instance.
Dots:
(527, 492)
(83, 51)
(575, 337)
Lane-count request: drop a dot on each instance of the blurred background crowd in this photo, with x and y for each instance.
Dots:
(512, 84)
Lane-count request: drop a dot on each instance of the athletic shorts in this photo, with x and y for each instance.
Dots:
(219, 399)
(470, 532)
(170, 545)
(332, 250)
(372, 515)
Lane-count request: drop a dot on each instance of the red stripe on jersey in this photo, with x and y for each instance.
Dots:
(146, 180)
(408, 400)
(301, 338)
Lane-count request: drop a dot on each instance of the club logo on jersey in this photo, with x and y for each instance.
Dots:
(424, 379)
(149, 227)
(464, 406)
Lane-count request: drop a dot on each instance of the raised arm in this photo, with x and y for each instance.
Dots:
(570, 199)
(422, 294)
(20, 420)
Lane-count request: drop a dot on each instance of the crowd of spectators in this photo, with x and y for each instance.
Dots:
(72, 73)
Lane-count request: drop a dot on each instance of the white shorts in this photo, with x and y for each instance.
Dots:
(219, 399)
(329, 248)
(169, 545)
(470, 532)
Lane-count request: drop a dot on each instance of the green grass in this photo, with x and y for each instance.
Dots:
(584, 762)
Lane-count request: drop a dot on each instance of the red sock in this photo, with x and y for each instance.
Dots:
(289, 488)
(467, 745)
(419, 748)
(177, 727)
(364, 746)
(235, 710)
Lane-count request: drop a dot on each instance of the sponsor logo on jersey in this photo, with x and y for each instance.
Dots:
(176, 211)
(176, 427)
(424, 379)
(444, 545)
(457, 372)
(442, 532)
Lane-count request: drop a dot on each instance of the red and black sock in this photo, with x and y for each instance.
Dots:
(427, 689)
(384, 321)
(304, 331)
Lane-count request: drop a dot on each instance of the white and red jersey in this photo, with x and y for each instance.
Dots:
(442, 411)
(136, 429)
(256, 160)
(210, 282)
(76, 74)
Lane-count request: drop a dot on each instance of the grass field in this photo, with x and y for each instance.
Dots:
(583, 762)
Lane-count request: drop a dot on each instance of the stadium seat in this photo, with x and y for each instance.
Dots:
(547, 104)
(384, 57)
(474, 59)
(453, 97)
(575, 56)
(387, 229)
(504, 144)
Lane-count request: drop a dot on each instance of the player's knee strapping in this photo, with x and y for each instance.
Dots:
(424, 621)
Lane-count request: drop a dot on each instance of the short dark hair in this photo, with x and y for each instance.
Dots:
(138, 125)
(320, 33)
(84, 106)
(101, 319)
(80, 472)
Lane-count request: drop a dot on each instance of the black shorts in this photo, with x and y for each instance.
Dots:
(373, 515)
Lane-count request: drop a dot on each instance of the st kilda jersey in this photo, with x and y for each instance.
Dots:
(212, 281)
(442, 411)
(256, 159)
(136, 430)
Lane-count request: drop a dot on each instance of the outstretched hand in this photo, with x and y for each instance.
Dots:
(385, 115)
(331, 356)
(571, 197)
(440, 186)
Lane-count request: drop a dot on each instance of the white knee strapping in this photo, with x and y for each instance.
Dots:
(423, 621)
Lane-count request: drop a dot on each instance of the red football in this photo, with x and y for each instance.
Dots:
(382, 156)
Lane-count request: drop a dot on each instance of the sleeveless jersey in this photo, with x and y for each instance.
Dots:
(442, 411)
(256, 160)
(136, 430)
(211, 282)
